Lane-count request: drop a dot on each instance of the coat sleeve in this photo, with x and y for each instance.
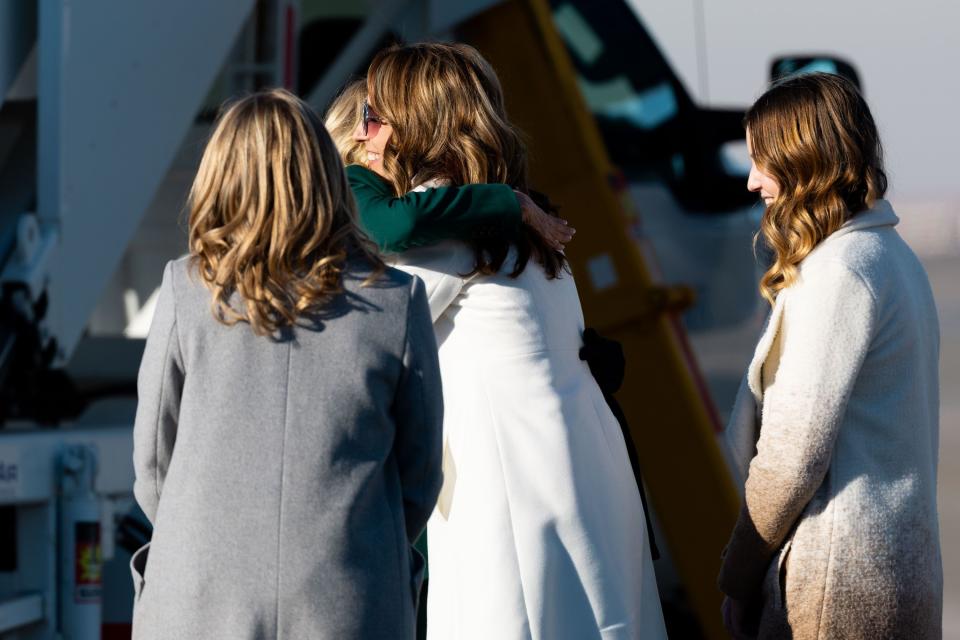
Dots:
(421, 218)
(159, 387)
(418, 412)
(740, 436)
(830, 321)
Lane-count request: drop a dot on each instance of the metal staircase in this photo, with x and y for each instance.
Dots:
(96, 98)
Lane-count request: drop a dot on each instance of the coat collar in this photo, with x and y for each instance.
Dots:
(880, 215)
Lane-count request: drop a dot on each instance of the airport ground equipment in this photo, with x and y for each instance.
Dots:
(55, 504)
(95, 100)
(79, 541)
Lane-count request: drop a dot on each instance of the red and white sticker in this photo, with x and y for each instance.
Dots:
(88, 563)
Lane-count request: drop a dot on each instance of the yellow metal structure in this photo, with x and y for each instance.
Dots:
(670, 415)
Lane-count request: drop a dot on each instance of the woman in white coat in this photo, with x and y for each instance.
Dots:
(539, 530)
(835, 428)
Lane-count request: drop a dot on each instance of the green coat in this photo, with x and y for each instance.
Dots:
(427, 217)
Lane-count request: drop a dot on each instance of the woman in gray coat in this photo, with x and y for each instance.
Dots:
(287, 441)
(835, 428)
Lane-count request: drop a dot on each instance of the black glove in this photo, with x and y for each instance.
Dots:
(607, 364)
(605, 359)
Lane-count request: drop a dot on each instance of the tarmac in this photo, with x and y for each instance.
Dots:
(944, 275)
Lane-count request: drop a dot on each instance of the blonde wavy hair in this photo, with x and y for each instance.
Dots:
(343, 118)
(449, 118)
(271, 217)
(814, 135)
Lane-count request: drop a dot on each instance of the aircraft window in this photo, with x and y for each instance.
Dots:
(651, 127)
(788, 65)
(826, 66)
(647, 109)
(633, 97)
(584, 42)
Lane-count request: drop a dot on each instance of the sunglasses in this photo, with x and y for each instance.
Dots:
(371, 121)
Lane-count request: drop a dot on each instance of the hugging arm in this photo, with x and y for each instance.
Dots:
(463, 213)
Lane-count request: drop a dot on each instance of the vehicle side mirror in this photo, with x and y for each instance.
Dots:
(788, 65)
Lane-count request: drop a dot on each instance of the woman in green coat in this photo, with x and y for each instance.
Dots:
(423, 218)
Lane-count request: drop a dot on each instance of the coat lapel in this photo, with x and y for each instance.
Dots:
(770, 330)
(740, 436)
(880, 215)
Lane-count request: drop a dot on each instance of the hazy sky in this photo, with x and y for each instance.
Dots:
(907, 55)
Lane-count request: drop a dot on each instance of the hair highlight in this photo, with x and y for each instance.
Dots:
(271, 217)
(815, 136)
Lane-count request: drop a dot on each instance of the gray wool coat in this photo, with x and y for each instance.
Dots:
(286, 477)
(836, 432)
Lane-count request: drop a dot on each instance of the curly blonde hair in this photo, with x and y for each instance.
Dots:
(343, 118)
(814, 135)
(271, 217)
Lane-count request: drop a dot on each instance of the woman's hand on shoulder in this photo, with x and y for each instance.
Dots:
(554, 230)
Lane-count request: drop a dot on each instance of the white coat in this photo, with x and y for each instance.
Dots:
(539, 532)
(839, 528)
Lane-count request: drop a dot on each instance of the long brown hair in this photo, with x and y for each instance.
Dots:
(446, 107)
(271, 215)
(814, 135)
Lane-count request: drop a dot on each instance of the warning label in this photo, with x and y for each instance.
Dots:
(88, 563)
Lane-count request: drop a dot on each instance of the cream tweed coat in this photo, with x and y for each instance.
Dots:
(838, 446)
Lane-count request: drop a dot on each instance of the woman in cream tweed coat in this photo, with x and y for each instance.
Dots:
(835, 428)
